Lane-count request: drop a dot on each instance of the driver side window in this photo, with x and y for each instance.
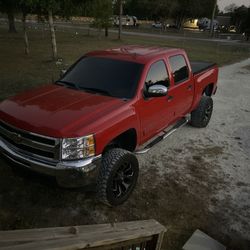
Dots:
(157, 74)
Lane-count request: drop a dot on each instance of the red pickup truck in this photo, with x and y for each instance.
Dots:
(110, 105)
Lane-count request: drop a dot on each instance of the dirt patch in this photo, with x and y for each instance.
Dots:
(179, 199)
(247, 67)
(243, 137)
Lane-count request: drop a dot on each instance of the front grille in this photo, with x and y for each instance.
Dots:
(30, 144)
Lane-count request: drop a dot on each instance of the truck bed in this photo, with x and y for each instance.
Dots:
(198, 66)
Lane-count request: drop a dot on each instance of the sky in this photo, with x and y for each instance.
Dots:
(223, 3)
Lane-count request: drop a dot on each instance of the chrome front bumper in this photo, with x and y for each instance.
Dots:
(67, 173)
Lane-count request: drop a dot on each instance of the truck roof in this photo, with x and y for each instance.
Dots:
(135, 53)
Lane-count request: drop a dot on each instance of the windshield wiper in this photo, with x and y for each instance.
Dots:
(75, 86)
(67, 84)
(95, 90)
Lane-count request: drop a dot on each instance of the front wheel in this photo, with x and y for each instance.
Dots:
(118, 176)
(201, 116)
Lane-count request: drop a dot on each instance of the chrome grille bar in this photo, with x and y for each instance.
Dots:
(31, 143)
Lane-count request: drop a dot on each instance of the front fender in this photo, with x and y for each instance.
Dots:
(118, 123)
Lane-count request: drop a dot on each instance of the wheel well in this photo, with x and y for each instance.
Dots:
(208, 91)
(126, 140)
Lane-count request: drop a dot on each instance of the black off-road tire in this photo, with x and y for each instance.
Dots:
(200, 117)
(111, 170)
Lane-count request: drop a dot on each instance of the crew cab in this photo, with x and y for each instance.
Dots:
(110, 105)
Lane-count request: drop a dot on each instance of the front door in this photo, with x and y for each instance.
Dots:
(155, 112)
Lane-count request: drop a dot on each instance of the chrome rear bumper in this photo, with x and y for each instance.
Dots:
(67, 173)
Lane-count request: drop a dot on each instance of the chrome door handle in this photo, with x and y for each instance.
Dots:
(170, 98)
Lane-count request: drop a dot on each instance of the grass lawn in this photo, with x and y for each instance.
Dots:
(20, 72)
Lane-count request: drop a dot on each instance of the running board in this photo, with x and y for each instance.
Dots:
(162, 137)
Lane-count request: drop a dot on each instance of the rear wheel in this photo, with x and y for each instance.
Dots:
(201, 116)
(118, 176)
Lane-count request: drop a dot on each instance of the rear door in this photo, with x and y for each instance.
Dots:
(182, 89)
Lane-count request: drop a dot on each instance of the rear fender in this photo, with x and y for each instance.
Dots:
(205, 81)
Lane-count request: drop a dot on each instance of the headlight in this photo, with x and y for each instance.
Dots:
(78, 148)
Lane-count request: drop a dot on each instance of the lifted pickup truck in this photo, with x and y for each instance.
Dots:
(87, 127)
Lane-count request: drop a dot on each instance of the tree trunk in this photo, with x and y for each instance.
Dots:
(26, 40)
(120, 19)
(180, 21)
(12, 26)
(53, 35)
(99, 32)
(106, 31)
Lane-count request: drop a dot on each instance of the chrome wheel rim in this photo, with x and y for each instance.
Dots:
(123, 180)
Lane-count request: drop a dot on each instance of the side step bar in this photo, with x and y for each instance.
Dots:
(162, 137)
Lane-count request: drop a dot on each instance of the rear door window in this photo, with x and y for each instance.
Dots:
(179, 68)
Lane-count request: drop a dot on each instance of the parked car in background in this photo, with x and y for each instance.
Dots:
(157, 25)
(205, 24)
(232, 29)
(128, 21)
(163, 25)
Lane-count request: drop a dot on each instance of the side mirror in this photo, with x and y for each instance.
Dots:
(156, 91)
(62, 73)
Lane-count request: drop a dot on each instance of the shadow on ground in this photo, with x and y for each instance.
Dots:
(178, 200)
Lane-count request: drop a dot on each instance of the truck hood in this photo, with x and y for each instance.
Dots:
(58, 111)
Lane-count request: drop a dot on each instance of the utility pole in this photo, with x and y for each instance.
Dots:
(212, 19)
(120, 19)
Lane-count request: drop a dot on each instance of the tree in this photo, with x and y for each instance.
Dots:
(62, 8)
(50, 7)
(53, 33)
(230, 8)
(26, 7)
(240, 17)
(138, 8)
(246, 23)
(68, 8)
(148, 9)
(180, 12)
(10, 7)
(102, 12)
(191, 9)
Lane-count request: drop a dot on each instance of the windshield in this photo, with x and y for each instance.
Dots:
(104, 76)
